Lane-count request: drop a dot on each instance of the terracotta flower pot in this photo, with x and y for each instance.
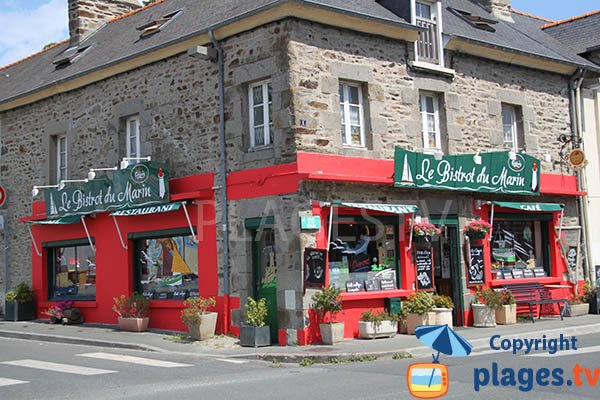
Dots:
(133, 324)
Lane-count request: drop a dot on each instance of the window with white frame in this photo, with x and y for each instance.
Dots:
(428, 46)
(260, 104)
(510, 127)
(351, 109)
(61, 158)
(132, 137)
(430, 119)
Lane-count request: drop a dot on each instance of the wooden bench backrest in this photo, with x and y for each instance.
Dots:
(527, 291)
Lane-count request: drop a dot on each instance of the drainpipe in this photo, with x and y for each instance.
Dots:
(223, 173)
(574, 92)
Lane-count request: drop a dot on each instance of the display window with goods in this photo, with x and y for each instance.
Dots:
(72, 271)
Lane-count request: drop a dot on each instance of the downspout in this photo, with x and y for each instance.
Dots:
(223, 173)
(574, 92)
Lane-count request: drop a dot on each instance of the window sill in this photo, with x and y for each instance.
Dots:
(258, 154)
(427, 67)
(380, 294)
(260, 148)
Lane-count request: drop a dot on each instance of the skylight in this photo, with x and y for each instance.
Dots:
(477, 21)
(155, 26)
(69, 56)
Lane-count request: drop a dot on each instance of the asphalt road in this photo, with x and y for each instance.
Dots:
(38, 370)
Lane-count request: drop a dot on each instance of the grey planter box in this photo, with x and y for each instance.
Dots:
(15, 311)
(255, 336)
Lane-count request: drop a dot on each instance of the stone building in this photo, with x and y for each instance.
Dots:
(331, 112)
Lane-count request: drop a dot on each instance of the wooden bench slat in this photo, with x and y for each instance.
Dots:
(533, 294)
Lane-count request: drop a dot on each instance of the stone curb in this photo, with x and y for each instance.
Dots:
(324, 358)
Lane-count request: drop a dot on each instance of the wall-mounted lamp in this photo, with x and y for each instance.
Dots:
(92, 173)
(36, 189)
(125, 161)
(548, 157)
(438, 155)
(477, 159)
(512, 155)
(61, 184)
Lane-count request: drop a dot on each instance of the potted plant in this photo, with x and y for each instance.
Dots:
(484, 307)
(417, 311)
(506, 314)
(18, 304)
(56, 312)
(132, 312)
(382, 324)
(577, 306)
(201, 323)
(328, 302)
(477, 229)
(254, 333)
(591, 296)
(443, 310)
(424, 232)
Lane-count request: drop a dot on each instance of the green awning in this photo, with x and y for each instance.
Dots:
(147, 210)
(58, 221)
(387, 208)
(533, 207)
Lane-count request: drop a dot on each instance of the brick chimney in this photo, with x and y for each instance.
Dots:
(86, 16)
(499, 8)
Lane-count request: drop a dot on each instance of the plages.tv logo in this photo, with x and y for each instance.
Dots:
(430, 380)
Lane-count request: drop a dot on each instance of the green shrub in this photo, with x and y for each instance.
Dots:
(22, 293)
(194, 307)
(256, 312)
(442, 301)
(418, 303)
(134, 306)
(489, 297)
(327, 301)
(378, 318)
(507, 298)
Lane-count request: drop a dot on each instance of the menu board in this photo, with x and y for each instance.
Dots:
(528, 273)
(354, 286)
(372, 285)
(314, 267)
(572, 258)
(424, 265)
(388, 284)
(148, 294)
(539, 272)
(475, 273)
(193, 293)
(518, 273)
(179, 294)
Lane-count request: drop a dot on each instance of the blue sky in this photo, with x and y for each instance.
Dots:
(28, 25)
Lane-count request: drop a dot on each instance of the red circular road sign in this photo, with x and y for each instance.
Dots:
(2, 196)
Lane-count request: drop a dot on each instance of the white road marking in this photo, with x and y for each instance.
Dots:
(66, 368)
(232, 361)
(583, 350)
(9, 382)
(135, 360)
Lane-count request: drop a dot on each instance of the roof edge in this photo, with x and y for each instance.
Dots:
(37, 53)
(571, 19)
(525, 14)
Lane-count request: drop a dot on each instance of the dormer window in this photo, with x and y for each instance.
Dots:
(155, 26)
(69, 56)
(428, 47)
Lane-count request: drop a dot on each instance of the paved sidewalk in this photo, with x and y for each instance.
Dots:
(227, 347)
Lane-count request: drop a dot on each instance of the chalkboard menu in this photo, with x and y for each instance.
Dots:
(372, 285)
(539, 272)
(162, 296)
(507, 274)
(528, 273)
(499, 275)
(148, 294)
(314, 267)
(179, 294)
(354, 286)
(388, 284)
(518, 273)
(572, 258)
(475, 273)
(194, 293)
(424, 265)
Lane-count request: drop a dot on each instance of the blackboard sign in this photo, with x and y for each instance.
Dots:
(372, 285)
(179, 294)
(162, 296)
(507, 274)
(194, 293)
(424, 265)
(539, 272)
(148, 294)
(528, 273)
(388, 284)
(314, 267)
(499, 275)
(572, 258)
(354, 286)
(476, 273)
(517, 273)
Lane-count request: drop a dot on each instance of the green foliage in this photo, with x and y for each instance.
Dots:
(306, 362)
(401, 356)
(194, 307)
(442, 301)
(179, 338)
(378, 318)
(327, 301)
(256, 312)
(589, 291)
(489, 297)
(418, 303)
(22, 293)
(507, 298)
(133, 306)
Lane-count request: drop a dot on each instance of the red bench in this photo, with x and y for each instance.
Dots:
(534, 294)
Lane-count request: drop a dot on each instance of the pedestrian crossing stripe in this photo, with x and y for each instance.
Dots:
(9, 382)
(56, 367)
(134, 360)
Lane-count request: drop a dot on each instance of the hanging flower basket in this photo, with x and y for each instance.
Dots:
(477, 229)
(424, 233)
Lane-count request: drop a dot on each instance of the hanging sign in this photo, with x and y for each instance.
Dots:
(2, 195)
(496, 173)
(475, 273)
(572, 258)
(424, 266)
(142, 184)
(314, 267)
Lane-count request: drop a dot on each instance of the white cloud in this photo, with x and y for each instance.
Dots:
(26, 31)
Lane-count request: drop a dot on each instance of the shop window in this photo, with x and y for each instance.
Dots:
(520, 249)
(352, 112)
(166, 267)
(361, 251)
(512, 127)
(132, 137)
(72, 273)
(260, 104)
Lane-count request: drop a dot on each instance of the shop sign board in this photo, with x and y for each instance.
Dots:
(372, 285)
(424, 266)
(388, 284)
(314, 267)
(310, 222)
(354, 286)
(476, 275)
(496, 172)
(143, 184)
(2, 196)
